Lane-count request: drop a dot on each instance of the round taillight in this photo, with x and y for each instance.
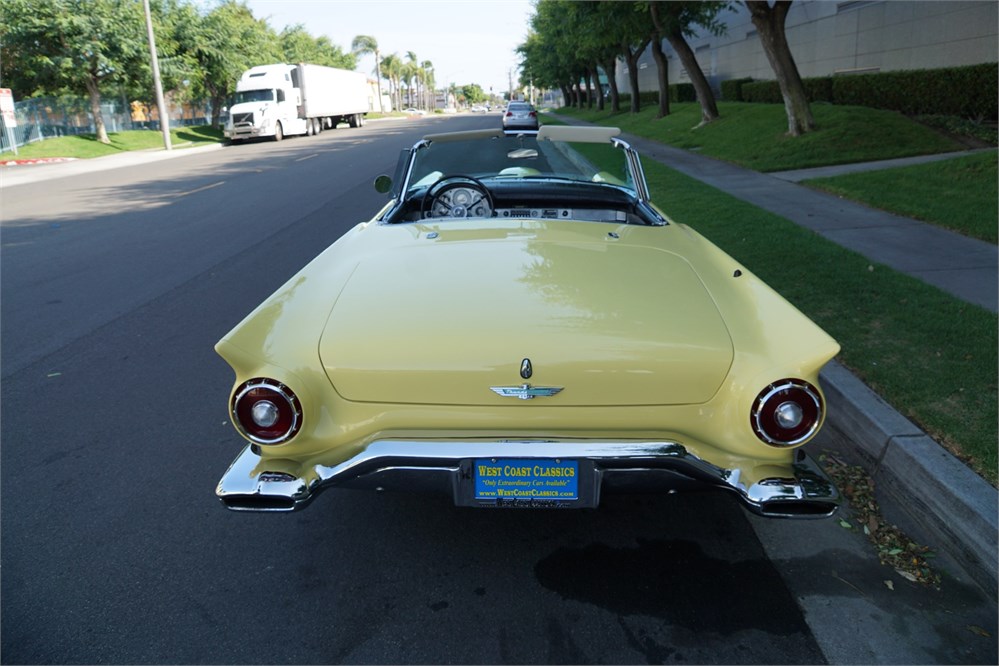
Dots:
(266, 411)
(787, 412)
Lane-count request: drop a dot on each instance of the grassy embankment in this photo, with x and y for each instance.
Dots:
(930, 355)
(959, 194)
(86, 146)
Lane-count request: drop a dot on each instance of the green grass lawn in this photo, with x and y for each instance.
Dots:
(85, 146)
(930, 355)
(754, 135)
(960, 194)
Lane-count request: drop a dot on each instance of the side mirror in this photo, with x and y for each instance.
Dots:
(383, 184)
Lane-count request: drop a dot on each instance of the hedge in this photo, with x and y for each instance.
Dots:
(731, 90)
(967, 92)
(678, 92)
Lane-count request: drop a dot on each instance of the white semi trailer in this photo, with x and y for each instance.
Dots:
(281, 100)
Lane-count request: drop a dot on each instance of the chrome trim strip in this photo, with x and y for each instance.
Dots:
(526, 391)
(804, 491)
(637, 173)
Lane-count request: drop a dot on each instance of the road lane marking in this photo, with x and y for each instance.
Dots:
(307, 157)
(200, 189)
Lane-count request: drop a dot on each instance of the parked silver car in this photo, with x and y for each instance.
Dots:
(520, 115)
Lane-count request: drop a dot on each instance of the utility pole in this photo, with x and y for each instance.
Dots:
(160, 105)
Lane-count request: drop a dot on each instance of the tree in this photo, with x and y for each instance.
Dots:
(297, 45)
(769, 21)
(662, 72)
(631, 54)
(557, 52)
(472, 93)
(673, 20)
(391, 69)
(364, 45)
(627, 26)
(220, 46)
(410, 71)
(427, 68)
(76, 46)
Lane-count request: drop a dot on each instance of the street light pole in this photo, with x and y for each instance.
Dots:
(160, 105)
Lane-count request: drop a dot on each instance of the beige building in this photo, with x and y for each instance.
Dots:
(828, 37)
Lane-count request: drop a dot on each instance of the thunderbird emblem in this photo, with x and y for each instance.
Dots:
(526, 391)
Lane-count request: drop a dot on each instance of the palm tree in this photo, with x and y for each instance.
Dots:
(428, 84)
(410, 71)
(392, 68)
(408, 74)
(362, 46)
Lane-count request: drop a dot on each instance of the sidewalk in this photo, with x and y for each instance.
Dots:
(932, 493)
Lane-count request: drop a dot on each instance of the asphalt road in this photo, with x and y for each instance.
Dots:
(115, 287)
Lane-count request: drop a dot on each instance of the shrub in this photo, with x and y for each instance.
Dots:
(682, 92)
(731, 90)
(967, 92)
(762, 92)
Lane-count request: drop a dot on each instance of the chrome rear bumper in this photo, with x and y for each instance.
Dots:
(799, 489)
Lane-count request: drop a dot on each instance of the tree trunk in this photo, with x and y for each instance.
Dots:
(95, 109)
(706, 98)
(566, 96)
(610, 69)
(588, 82)
(662, 67)
(769, 22)
(217, 100)
(632, 59)
(378, 79)
(595, 75)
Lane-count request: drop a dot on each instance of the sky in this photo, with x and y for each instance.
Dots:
(468, 41)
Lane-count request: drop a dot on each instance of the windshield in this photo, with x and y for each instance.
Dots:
(252, 96)
(500, 158)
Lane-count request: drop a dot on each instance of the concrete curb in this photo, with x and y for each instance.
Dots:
(952, 504)
(14, 175)
(36, 160)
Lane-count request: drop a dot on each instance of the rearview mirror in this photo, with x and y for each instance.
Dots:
(522, 154)
(383, 184)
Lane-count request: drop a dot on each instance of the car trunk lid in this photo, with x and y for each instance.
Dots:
(449, 320)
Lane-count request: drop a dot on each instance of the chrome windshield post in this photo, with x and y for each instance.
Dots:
(638, 176)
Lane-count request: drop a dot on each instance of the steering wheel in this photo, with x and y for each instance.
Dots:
(457, 196)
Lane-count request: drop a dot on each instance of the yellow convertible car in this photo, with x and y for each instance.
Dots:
(520, 326)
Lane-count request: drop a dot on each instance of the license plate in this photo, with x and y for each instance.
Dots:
(528, 479)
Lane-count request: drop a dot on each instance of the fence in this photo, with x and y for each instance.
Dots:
(43, 118)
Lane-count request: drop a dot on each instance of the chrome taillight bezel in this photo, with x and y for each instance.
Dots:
(287, 403)
(763, 419)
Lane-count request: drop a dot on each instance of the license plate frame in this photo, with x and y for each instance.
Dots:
(510, 482)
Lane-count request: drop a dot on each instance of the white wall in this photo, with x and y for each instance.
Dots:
(828, 37)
